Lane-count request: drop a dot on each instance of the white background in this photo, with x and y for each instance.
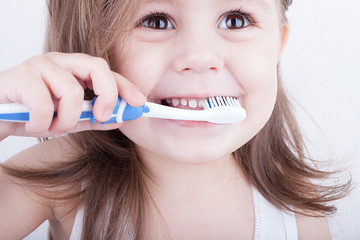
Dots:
(320, 66)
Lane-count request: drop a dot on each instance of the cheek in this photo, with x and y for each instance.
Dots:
(261, 95)
(256, 69)
(254, 63)
(257, 73)
(143, 66)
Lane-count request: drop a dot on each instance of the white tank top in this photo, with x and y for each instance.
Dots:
(270, 222)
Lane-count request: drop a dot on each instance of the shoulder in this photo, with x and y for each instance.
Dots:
(45, 153)
(20, 198)
(312, 227)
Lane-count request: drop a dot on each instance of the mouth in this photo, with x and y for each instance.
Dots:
(189, 103)
(185, 103)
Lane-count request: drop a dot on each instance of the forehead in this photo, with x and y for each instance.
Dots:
(260, 3)
(265, 6)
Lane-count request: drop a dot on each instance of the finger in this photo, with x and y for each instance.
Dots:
(24, 84)
(6, 129)
(128, 91)
(96, 70)
(38, 100)
(70, 94)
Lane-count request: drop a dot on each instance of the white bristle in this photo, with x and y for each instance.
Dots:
(222, 101)
(235, 101)
(230, 100)
(216, 102)
(228, 103)
(219, 101)
(213, 102)
(204, 104)
(209, 103)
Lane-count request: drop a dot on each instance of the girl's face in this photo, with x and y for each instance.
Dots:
(185, 51)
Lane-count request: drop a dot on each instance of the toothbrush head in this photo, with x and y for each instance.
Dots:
(224, 110)
(220, 101)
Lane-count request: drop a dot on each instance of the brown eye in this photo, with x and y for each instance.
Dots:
(157, 22)
(234, 21)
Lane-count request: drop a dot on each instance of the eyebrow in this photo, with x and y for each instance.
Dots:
(261, 3)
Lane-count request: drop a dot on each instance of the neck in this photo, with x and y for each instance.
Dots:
(178, 181)
(187, 197)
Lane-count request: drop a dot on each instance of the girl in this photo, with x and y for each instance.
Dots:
(157, 178)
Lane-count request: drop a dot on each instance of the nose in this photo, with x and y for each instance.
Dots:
(198, 53)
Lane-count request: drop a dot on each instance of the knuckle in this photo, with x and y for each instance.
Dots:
(29, 66)
(66, 122)
(79, 55)
(51, 55)
(35, 60)
(109, 99)
(35, 128)
(26, 69)
(43, 108)
(38, 124)
(100, 63)
(74, 90)
(78, 91)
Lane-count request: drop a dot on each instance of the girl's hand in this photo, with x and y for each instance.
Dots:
(39, 81)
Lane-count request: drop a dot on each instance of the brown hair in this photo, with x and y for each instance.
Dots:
(284, 6)
(109, 172)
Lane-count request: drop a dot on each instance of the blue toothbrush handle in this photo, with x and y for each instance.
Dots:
(15, 112)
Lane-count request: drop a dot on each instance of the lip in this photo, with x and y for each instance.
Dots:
(190, 124)
(186, 123)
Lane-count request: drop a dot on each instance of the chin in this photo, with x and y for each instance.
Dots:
(198, 154)
(171, 141)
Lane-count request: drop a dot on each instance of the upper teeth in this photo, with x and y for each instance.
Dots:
(191, 103)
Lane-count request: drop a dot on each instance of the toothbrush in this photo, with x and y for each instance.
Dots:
(219, 110)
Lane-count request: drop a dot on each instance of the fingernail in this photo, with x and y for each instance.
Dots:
(57, 134)
(139, 95)
(108, 114)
